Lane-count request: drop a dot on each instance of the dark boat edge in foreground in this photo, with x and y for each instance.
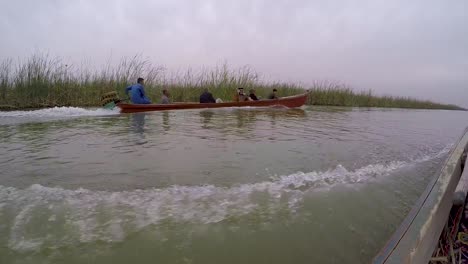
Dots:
(418, 235)
(290, 102)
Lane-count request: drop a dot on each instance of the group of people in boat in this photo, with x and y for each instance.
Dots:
(138, 96)
(241, 96)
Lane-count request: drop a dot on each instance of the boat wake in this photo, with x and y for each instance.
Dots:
(52, 114)
(40, 217)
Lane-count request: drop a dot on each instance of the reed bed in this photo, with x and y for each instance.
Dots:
(44, 81)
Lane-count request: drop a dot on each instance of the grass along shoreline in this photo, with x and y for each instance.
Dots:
(41, 81)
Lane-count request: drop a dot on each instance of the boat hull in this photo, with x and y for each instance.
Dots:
(290, 102)
(417, 237)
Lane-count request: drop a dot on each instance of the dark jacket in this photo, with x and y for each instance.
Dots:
(253, 97)
(207, 97)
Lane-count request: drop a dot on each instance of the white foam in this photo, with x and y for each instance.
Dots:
(54, 113)
(81, 216)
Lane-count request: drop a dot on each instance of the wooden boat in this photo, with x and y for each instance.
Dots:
(290, 102)
(417, 238)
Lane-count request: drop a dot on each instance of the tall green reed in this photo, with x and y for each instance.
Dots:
(43, 81)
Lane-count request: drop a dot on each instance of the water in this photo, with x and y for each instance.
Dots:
(313, 185)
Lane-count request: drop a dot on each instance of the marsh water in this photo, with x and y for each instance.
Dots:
(236, 185)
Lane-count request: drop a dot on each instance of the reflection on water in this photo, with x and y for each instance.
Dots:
(138, 123)
(289, 114)
(138, 128)
(206, 116)
(245, 119)
(166, 125)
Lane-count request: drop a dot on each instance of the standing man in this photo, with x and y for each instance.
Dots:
(137, 92)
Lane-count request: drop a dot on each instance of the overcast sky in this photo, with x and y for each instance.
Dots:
(413, 48)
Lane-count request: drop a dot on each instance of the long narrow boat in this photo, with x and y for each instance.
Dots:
(418, 236)
(290, 102)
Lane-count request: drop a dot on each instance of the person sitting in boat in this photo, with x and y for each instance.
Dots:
(240, 95)
(273, 95)
(137, 92)
(252, 95)
(206, 97)
(165, 97)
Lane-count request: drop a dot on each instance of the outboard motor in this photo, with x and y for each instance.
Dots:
(109, 100)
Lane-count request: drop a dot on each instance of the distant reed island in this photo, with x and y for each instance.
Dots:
(42, 81)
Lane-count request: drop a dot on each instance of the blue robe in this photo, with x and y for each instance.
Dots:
(137, 94)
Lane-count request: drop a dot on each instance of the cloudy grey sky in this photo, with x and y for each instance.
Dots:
(413, 48)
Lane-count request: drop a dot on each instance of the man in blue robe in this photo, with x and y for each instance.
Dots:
(137, 93)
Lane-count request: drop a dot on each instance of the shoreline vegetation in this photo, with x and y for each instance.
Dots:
(41, 81)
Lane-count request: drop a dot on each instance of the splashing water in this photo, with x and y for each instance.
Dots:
(56, 113)
(84, 216)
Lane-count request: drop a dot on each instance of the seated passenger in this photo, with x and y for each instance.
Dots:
(137, 93)
(206, 97)
(273, 95)
(240, 96)
(252, 95)
(165, 97)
